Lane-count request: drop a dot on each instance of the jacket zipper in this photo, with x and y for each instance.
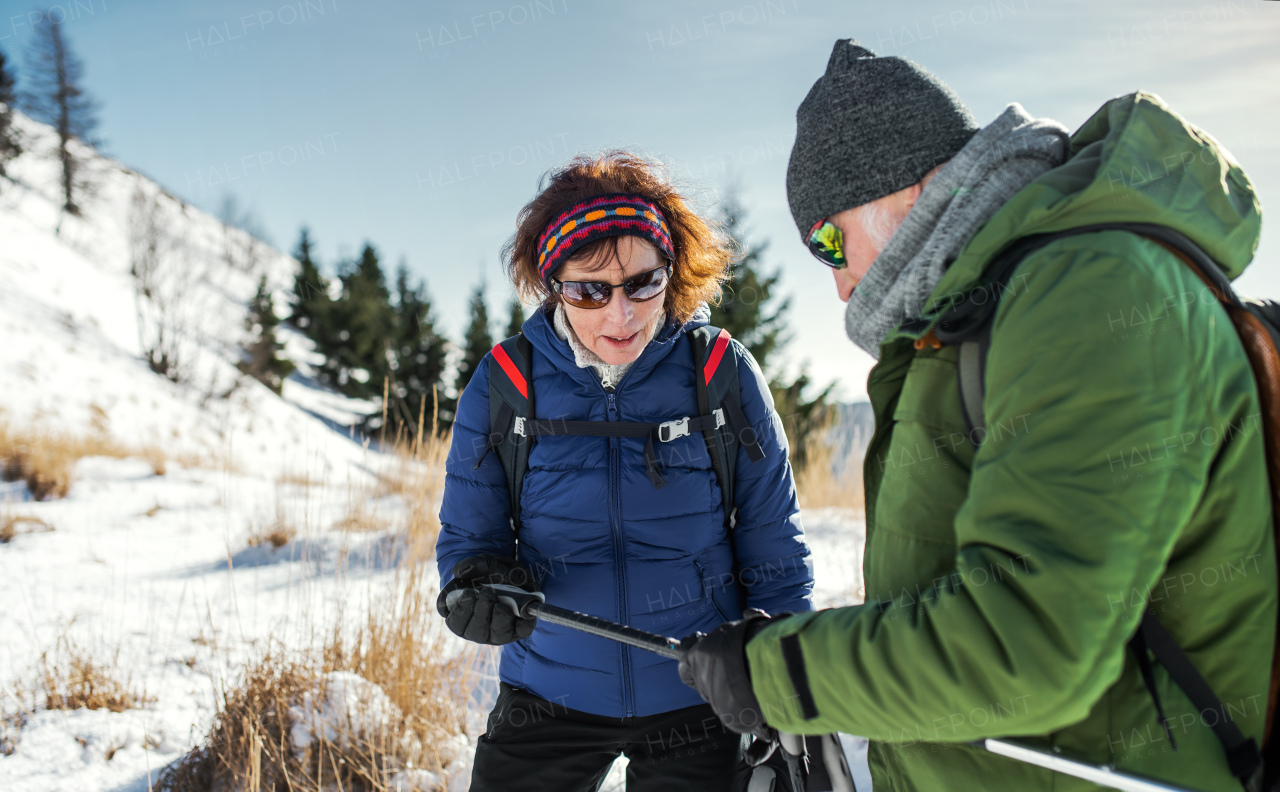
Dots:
(619, 551)
(615, 500)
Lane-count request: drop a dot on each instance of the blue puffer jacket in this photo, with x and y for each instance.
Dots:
(602, 540)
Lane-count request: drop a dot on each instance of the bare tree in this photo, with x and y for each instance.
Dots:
(57, 97)
(157, 256)
(180, 294)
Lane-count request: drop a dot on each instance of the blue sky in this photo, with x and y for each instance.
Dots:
(424, 126)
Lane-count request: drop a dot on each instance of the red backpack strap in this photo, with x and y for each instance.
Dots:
(510, 405)
(720, 377)
(718, 394)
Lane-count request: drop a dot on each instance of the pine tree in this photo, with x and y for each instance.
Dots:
(262, 352)
(9, 145)
(754, 315)
(57, 98)
(517, 318)
(420, 353)
(310, 290)
(361, 327)
(477, 342)
(804, 419)
(747, 308)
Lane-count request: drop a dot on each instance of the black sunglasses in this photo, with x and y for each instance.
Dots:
(592, 294)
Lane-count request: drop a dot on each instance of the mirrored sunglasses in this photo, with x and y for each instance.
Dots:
(592, 294)
(826, 243)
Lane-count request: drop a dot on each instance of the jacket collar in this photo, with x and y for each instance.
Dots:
(542, 336)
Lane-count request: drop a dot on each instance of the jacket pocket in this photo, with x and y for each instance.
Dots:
(708, 592)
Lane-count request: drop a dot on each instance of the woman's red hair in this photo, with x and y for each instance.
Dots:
(703, 254)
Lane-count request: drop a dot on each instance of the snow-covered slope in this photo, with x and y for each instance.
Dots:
(72, 326)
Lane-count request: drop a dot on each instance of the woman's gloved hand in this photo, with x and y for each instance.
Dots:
(473, 612)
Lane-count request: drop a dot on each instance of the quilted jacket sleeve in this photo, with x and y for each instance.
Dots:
(475, 511)
(772, 558)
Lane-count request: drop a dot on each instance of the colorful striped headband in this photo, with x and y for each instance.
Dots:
(617, 214)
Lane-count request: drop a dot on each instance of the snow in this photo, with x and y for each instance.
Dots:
(155, 574)
(177, 594)
(341, 709)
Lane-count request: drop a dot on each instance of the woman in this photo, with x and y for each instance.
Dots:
(608, 525)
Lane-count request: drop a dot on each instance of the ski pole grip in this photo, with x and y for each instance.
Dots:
(516, 598)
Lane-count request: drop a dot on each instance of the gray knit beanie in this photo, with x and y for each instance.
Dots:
(869, 127)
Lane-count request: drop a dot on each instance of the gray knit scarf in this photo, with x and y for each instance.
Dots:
(994, 165)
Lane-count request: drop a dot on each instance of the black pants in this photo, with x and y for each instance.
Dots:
(535, 745)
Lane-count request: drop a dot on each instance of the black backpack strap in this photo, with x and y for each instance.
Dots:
(971, 371)
(510, 406)
(663, 432)
(719, 397)
(968, 324)
(1141, 650)
(719, 443)
(1243, 757)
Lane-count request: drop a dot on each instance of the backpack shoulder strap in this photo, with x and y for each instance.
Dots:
(1243, 756)
(968, 323)
(510, 405)
(717, 385)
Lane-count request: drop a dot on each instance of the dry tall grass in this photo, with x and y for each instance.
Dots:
(402, 734)
(13, 524)
(67, 677)
(276, 531)
(417, 478)
(45, 459)
(363, 514)
(818, 485)
(10, 725)
(73, 678)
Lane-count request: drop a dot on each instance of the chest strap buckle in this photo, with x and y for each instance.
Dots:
(670, 430)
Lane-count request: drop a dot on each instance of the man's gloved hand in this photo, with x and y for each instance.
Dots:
(715, 665)
(474, 613)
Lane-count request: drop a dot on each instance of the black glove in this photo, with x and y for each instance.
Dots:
(715, 665)
(473, 612)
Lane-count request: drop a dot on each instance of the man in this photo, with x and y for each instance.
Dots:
(1122, 470)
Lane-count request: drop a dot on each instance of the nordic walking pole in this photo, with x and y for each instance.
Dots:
(527, 604)
(533, 604)
(1102, 775)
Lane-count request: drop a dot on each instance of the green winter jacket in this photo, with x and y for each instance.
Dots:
(1123, 469)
